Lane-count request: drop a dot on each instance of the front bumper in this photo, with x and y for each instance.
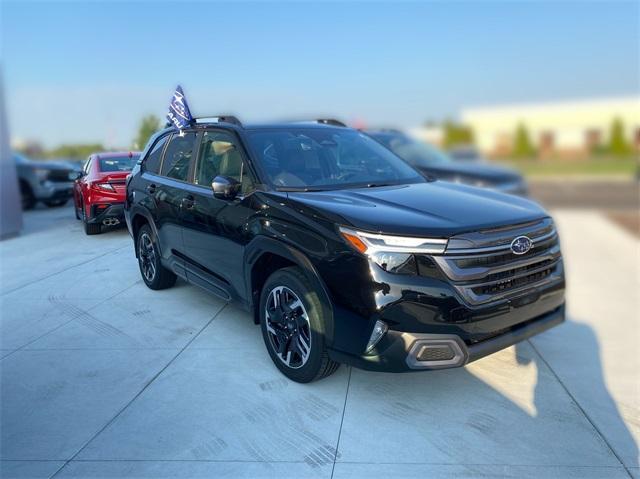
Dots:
(52, 190)
(404, 351)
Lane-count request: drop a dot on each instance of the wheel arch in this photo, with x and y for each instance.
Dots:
(264, 256)
(139, 217)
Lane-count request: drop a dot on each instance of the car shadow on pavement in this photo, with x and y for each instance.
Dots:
(585, 378)
(498, 412)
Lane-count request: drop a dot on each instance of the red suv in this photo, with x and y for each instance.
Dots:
(99, 192)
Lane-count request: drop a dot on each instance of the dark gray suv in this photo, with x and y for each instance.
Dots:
(48, 181)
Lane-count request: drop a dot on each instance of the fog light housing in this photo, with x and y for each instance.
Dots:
(376, 335)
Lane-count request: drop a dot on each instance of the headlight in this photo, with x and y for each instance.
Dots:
(371, 243)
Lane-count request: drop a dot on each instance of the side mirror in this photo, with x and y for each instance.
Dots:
(225, 188)
(79, 174)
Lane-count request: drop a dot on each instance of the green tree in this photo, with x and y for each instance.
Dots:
(618, 145)
(76, 151)
(148, 126)
(455, 134)
(522, 147)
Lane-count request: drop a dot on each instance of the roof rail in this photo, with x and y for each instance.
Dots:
(330, 121)
(219, 119)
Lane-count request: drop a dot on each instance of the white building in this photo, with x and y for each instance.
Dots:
(570, 128)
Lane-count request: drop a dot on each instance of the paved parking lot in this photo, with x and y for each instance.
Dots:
(101, 377)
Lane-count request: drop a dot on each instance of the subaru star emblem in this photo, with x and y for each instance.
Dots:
(521, 245)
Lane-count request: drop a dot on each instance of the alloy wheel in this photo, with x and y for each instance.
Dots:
(288, 327)
(147, 256)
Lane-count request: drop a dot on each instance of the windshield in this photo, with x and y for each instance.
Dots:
(327, 158)
(120, 163)
(412, 151)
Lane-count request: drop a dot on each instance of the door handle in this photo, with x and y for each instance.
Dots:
(188, 202)
(151, 189)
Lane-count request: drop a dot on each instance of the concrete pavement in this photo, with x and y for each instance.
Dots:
(101, 377)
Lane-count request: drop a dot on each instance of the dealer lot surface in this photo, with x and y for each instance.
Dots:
(101, 377)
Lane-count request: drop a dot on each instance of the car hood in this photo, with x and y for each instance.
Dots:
(493, 174)
(438, 208)
(49, 165)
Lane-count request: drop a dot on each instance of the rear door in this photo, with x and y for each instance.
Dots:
(215, 229)
(167, 191)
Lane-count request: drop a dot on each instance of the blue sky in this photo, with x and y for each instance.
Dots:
(88, 71)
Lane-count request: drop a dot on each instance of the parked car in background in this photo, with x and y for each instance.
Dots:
(434, 163)
(343, 252)
(50, 182)
(99, 192)
(77, 165)
(465, 153)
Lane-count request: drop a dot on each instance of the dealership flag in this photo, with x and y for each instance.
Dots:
(179, 114)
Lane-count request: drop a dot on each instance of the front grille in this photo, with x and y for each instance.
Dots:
(503, 258)
(510, 284)
(60, 176)
(483, 268)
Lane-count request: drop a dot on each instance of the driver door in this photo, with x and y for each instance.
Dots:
(214, 229)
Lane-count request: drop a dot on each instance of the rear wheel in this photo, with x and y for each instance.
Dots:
(89, 228)
(293, 326)
(154, 275)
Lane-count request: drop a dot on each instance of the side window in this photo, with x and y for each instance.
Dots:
(178, 156)
(152, 163)
(220, 155)
(86, 166)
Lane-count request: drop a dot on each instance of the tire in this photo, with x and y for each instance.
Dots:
(75, 209)
(154, 275)
(90, 228)
(55, 203)
(28, 199)
(294, 326)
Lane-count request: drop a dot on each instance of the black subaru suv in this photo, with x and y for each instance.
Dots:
(342, 251)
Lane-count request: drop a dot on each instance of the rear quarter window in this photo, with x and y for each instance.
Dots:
(154, 158)
(177, 157)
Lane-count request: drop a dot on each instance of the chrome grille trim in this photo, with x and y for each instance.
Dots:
(450, 268)
(504, 247)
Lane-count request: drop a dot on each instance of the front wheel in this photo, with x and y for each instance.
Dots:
(27, 197)
(154, 274)
(293, 326)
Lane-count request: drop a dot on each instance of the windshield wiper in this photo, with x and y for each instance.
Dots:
(298, 189)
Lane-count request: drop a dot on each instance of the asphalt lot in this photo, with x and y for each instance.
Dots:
(101, 377)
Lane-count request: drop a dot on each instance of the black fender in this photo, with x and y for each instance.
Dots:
(137, 210)
(263, 244)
